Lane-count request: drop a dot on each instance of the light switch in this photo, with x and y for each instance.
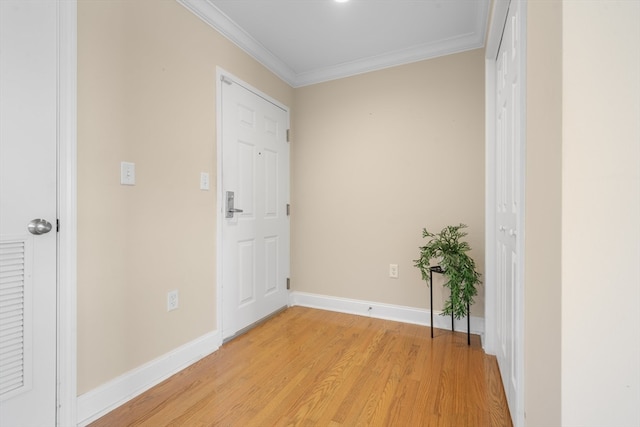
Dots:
(127, 173)
(204, 181)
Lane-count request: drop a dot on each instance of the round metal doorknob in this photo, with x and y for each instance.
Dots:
(39, 226)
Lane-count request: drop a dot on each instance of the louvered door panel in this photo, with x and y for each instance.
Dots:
(15, 316)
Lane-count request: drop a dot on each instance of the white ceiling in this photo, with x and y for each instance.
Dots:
(310, 41)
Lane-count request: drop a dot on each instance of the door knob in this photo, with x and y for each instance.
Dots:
(39, 226)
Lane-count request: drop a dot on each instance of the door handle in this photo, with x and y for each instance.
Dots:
(39, 226)
(230, 205)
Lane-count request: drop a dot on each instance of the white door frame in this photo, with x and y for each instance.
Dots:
(498, 17)
(67, 212)
(66, 200)
(220, 73)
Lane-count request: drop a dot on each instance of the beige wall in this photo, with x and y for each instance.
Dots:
(147, 94)
(367, 175)
(377, 157)
(601, 214)
(543, 209)
(582, 332)
(363, 169)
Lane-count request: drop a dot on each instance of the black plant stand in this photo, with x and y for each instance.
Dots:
(438, 269)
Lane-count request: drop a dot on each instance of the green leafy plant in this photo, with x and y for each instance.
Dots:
(450, 252)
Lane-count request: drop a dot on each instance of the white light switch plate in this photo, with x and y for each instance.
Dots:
(127, 173)
(204, 181)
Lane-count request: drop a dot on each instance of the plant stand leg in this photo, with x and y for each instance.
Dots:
(431, 298)
(468, 325)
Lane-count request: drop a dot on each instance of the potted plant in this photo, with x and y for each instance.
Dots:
(450, 253)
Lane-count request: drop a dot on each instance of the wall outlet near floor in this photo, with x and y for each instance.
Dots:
(393, 271)
(172, 300)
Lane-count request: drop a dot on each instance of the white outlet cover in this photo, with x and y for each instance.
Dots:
(393, 271)
(172, 300)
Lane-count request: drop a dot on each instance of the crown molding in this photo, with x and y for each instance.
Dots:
(209, 13)
(205, 10)
(393, 59)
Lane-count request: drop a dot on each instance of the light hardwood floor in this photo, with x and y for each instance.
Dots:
(307, 367)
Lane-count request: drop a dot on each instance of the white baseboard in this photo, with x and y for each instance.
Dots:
(99, 401)
(418, 316)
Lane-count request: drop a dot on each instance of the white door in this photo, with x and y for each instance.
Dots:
(508, 197)
(28, 146)
(255, 175)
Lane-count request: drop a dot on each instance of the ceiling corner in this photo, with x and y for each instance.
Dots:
(210, 14)
(213, 16)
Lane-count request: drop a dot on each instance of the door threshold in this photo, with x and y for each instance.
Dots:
(254, 324)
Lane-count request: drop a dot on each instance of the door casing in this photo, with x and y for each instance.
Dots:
(66, 199)
(221, 203)
(67, 211)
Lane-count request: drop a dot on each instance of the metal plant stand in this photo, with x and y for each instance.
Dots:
(438, 269)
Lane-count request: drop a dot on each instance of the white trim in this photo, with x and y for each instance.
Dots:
(209, 13)
(398, 313)
(219, 198)
(222, 74)
(99, 401)
(490, 273)
(433, 50)
(213, 16)
(519, 420)
(67, 213)
(499, 13)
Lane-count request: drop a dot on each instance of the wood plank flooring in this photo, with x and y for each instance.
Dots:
(307, 367)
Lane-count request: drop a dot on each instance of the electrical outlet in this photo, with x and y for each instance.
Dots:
(172, 300)
(393, 271)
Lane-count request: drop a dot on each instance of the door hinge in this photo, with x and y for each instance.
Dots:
(57, 225)
(288, 283)
(288, 209)
(225, 79)
(288, 132)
